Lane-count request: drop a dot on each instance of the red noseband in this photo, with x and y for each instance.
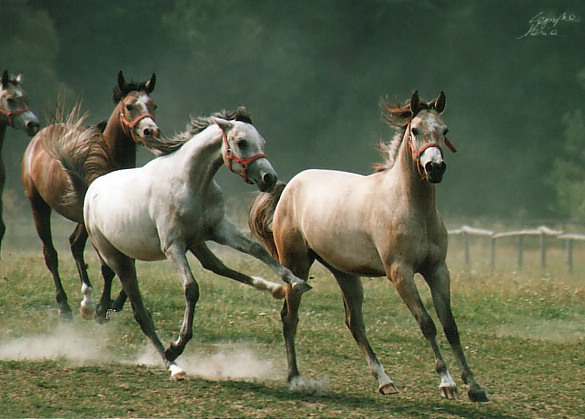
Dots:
(10, 115)
(416, 154)
(244, 163)
(130, 125)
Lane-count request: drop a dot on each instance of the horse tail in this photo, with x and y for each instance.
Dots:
(79, 149)
(261, 215)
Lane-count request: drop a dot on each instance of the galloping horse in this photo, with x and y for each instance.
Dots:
(50, 185)
(384, 224)
(14, 111)
(173, 205)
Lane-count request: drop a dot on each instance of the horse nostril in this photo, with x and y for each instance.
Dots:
(443, 167)
(269, 179)
(147, 132)
(32, 127)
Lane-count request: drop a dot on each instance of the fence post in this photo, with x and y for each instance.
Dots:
(542, 252)
(466, 248)
(520, 260)
(493, 254)
(569, 246)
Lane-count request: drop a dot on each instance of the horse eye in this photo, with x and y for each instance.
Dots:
(129, 106)
(415, 131)
(242, 144)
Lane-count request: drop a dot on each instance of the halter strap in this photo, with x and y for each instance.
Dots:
(11, 114)
(126, 124)
(416, 154)
(244, 163)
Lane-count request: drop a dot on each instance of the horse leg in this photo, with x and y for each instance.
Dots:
(353, 296)
(213, 263)
(439, 283)
(178, 257)
(2, 182)
(77, 241)
(125, 268)
(294, 255)
(42, 218)
(403, 279)
(226, 233)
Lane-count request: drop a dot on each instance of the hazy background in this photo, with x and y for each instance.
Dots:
(312, 73)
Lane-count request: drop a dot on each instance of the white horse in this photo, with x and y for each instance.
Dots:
(172, 205)
(385, 224)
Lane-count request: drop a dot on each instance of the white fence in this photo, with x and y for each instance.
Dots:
(542, 232)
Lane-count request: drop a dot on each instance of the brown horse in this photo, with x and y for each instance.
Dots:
(14, 112)
(51, 186)
(385, 224)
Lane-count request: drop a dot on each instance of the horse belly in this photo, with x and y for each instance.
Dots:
(113, 216)
(331, 212)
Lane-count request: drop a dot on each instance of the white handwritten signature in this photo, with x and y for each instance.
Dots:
(541, 25)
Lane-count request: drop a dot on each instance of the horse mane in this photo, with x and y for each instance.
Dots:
(397, 116)
(196, 125)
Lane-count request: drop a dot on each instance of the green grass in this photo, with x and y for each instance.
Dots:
(524, 336)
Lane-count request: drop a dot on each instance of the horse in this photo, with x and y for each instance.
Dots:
(51, 185)
(383, 224)
(173, 205)
(14, 112)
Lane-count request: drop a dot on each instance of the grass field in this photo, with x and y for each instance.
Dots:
(524, 334)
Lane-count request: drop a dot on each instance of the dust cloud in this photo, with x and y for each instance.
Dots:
(89, 346)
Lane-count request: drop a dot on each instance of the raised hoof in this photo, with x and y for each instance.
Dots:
(448, 392)
(177, 373)
(389, 388)
(301, 287)
(478, 395)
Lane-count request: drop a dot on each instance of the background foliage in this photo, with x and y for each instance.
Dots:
(313, 73)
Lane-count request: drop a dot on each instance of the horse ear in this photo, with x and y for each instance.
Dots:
(150, 84)
(19, 78)
(121, 81)
(439, 104)
(414, 103)
(5, 78)
(224, 124)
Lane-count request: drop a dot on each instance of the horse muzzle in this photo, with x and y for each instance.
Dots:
(434, 171)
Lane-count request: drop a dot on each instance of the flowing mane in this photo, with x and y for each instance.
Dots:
(398, 117)
(194, 127)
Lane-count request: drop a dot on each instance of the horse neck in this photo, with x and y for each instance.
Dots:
(121, 146)
(201, 157)
(419, 192)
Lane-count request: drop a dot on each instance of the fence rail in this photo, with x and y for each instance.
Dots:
(543, 232)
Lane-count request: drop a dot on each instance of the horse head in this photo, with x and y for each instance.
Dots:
(243, 151)
(426, 133)
(136, 109)
(14, 110)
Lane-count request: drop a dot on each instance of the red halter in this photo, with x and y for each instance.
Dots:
(10, 115)
(244, 163)
(416, 154)
(126, 124)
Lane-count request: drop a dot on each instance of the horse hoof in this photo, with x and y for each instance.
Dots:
(477, 395)
(87, 312)
(448, 392)
(389, 388)
(279, 293)
(65, 315)
(301, 287)
(177, 373)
